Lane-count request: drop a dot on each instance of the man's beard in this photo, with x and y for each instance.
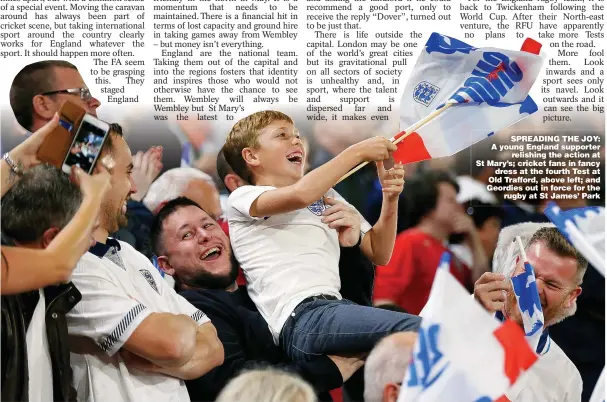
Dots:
(207, 280)
(559, 313)
(114, 220)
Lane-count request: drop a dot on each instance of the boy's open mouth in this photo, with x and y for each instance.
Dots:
(295, 157)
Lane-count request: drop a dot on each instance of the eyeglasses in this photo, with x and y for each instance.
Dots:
(85, 93)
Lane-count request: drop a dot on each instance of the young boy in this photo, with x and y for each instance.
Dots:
(287, 238)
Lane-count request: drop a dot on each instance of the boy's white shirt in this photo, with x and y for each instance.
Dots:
(286, 258)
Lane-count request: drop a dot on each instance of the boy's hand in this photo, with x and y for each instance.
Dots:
(392, 180)
(343, 218)
(374, 149)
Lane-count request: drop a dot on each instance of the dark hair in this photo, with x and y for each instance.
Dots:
(115, 129)
(165, 212)
(43, 198)
(223, 168)
(482, 211)
(420, 194)
(33, 79)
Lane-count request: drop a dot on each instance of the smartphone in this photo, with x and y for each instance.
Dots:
(88, 142)
(57, 143)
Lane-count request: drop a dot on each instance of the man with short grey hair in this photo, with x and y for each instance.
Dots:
(43, 201)
(386, 366)
(559, 269)
(184, 182)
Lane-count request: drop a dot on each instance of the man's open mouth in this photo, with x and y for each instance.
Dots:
(211, 254)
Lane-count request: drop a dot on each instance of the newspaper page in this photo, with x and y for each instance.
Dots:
(185, 71)
(180, 73)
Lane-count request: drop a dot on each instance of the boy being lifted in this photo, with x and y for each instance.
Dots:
(286, 229)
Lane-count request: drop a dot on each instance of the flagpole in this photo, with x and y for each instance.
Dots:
(521, 248)
(410, 130)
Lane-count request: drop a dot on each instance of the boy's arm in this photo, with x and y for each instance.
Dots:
(378, 243)
(315, 184)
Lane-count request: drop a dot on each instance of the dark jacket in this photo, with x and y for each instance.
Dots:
(17, 312)
(248, 344)
(137, 231)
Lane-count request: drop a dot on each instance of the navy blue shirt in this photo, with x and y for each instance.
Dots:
(248, 344)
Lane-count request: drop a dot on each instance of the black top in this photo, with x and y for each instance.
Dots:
(17, 312)
(248, 344)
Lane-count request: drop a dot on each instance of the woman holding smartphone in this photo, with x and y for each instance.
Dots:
(25, 269)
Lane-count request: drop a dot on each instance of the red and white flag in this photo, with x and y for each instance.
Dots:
(489, 88)
(463, 354)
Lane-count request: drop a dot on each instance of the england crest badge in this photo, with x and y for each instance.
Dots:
(317, 208)
(148, 277)
(425, 93)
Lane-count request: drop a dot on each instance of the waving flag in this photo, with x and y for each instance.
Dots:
(528, 300)
(463, 353)
(585, 230)
(489, 88)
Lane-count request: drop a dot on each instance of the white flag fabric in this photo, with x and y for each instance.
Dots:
(490, 87)
(463, 354)
(598, 395)
(585, 230)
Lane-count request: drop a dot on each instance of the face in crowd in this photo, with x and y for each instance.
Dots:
(196, 250)
(557, 282)
(117, 157)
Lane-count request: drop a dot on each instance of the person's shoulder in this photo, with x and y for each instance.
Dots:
(89, 260)
(130, 253)
(247, 189)
(561, 363)
(411, 235)
(127, 247)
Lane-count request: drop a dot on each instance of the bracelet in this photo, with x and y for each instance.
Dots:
(360, 240)
(11, 164)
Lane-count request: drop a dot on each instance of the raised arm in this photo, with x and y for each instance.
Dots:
(315, 184)
(378, 243)
(24, 155)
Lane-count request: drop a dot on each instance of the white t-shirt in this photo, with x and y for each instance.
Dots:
(40, 369)
(553, 378)
(118, 292)
(286, 258)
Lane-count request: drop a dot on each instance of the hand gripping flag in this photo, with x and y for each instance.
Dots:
(469, 93)
(585, 230)
(528, 300)
(463, 354)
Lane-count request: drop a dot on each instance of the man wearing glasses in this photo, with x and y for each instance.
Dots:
(39, 90)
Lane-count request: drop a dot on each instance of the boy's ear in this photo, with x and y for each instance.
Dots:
(249, 157)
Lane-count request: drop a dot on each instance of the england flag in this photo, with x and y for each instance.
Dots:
(488, 87)
(463, 354)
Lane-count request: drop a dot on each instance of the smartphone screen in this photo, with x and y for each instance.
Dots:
(86, 146)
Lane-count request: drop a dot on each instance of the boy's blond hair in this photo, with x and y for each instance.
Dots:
(245, 134)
